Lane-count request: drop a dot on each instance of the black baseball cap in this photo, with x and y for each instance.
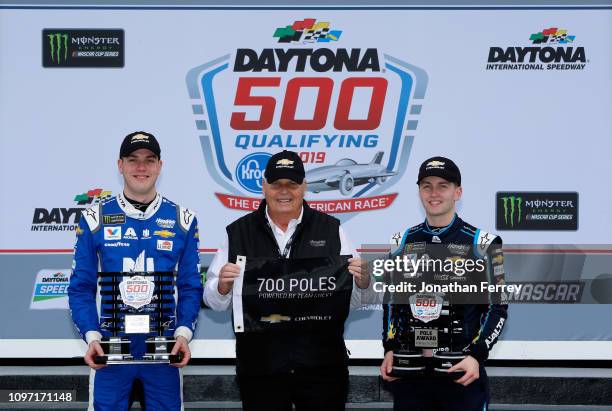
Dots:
(286, 164)
(440, 167)
(139, 139)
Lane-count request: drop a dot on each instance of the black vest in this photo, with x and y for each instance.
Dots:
(276, 352)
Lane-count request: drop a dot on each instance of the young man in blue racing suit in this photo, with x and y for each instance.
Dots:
(439, 183)
(136, 231)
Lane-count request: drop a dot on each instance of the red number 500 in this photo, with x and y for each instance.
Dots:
(325, 87)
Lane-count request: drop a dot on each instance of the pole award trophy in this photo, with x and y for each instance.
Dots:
(137, 304)
(427, 335)
(432, 326)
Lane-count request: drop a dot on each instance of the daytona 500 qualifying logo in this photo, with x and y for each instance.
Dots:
(350, 113)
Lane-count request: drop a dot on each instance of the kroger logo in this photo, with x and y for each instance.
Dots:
(250, 171)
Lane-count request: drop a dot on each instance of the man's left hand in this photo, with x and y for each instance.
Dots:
(360, 273)
(181, 345)
(472, 370)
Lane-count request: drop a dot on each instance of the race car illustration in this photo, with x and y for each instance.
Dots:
(346, 174)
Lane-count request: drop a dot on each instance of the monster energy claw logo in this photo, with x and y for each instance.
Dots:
(58, 43)
(510, 205)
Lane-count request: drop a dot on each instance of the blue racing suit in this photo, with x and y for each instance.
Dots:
(116, 237)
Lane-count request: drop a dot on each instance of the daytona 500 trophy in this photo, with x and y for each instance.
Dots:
(137, 303)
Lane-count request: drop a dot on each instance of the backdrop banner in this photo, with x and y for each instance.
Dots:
(518, 98)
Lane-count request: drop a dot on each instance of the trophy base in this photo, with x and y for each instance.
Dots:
(443, 361)
(146, 359)
(408, 364)
(116, 352)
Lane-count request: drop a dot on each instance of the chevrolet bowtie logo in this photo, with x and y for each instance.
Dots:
(164, 233)
(284, 162)
(139, 137)
(435, 163)
(275, 318)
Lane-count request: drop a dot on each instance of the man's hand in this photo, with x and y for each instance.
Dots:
(229, 272)
(387, 367)
(181, 345)
(472, 371)
(93, 349)
(357, 268)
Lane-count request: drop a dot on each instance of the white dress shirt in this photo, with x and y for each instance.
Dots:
(219, 302)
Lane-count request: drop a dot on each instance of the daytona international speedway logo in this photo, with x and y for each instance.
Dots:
(549, 49)
(350, 112)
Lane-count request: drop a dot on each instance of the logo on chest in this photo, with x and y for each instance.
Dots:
(318, 243)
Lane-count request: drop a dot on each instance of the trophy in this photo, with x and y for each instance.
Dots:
(137, 303)
(431, 328)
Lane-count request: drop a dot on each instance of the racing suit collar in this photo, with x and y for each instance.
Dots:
(442, 232)
(133, 212)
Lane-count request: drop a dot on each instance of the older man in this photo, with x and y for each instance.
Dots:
(278, 369)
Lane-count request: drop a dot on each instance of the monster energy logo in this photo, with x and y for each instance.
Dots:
(512, 204)
(58, 43)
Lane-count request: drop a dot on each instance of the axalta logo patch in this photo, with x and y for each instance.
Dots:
(551, 49)
(130, 234)
(336, 107)
(112, 233)
(51, 289)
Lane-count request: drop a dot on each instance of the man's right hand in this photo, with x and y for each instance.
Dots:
(94, 349)
(229, 272)
(387, 367)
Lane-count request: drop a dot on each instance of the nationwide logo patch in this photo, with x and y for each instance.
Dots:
(307, 31)
(82, 48)
(350, 113)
